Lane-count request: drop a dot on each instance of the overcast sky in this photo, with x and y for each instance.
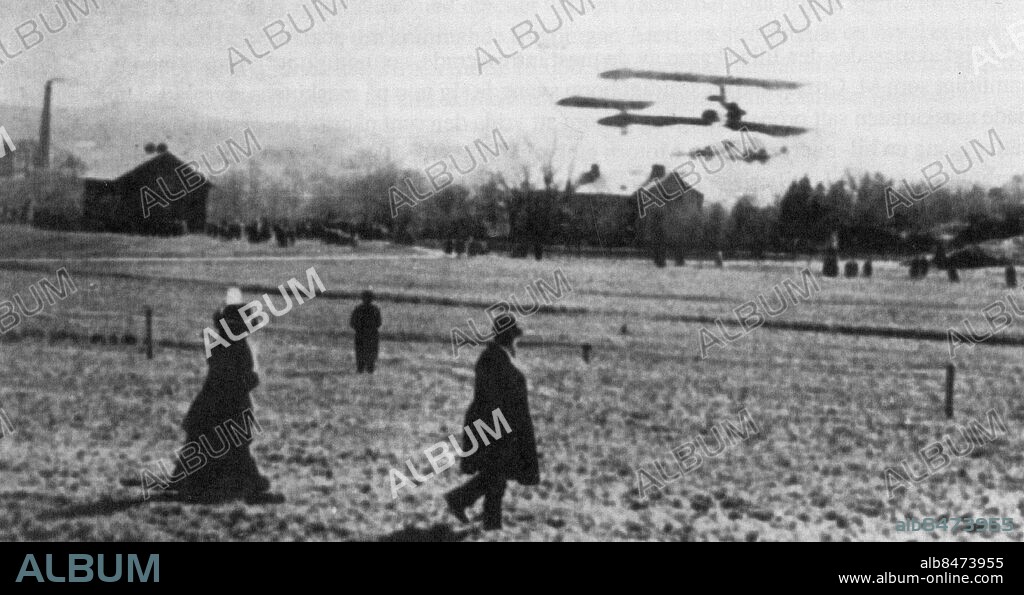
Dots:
(890, 85)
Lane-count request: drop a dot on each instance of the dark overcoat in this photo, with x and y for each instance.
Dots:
(500, 385)
(366, 321)
(225, 393)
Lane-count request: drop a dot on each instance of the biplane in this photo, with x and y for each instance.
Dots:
(624, 118)
(733, 112)
(963, 245)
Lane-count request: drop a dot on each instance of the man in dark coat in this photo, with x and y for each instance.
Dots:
(501, 385)
(216, 421)
(365, 321)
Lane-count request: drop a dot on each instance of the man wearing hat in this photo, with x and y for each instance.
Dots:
(221, 406)
(365, 321)
(500, 384)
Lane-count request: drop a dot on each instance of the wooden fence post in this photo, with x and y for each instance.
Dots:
(149, 332)
(950, 377)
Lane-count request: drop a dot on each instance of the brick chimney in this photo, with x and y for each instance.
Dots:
(43, 152)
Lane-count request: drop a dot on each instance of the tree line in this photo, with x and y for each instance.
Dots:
(532, 212)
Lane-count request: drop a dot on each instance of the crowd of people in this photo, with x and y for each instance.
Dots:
(284, 233)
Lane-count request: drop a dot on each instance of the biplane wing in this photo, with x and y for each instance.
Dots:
(623, 120)
(689, 77)
(599, 103)
(768, 129)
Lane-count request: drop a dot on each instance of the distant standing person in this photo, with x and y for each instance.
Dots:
(365, 321)
(500, 384)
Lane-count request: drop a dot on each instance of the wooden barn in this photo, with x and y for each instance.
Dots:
(674, 227)
(600, 212)
(611, 214)
(161, 196)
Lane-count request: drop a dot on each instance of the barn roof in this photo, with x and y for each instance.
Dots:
(117, 170)
(671, 185)
(629, 185)
(111, 167)
(624, 185)
(601, 186)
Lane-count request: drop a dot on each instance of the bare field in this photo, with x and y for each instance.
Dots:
(834, 411)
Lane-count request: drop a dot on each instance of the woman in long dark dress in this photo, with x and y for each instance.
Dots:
(218, 422)
(500, 384)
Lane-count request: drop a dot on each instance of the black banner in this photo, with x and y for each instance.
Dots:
(142, 567)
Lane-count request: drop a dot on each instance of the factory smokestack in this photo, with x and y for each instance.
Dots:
(43, 153)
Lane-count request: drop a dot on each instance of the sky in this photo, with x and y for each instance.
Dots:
(889, 85)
